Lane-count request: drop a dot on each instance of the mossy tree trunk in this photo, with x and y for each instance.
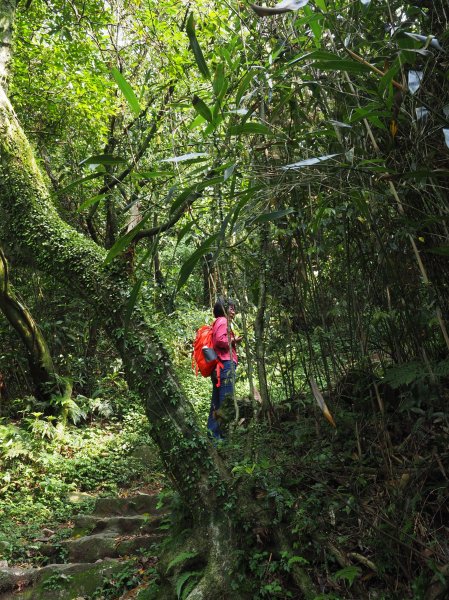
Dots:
(42, 369)
(42, 237)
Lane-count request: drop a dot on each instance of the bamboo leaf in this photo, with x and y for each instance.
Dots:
(193, 189)
(308, 162)
(191, 262)
(90, 202)
(77, 182)
(103, 159)
(185, 157)
(202, 108)
(195, 47)
(414, 80)
(127, 91)
(124, 241)
(250, 128)
(272, 216)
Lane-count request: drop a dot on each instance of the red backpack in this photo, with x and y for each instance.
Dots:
(203, 340)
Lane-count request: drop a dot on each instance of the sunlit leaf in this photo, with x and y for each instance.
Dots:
(421, 113)
(414, 80)
(309, 162)
(446, 136)
(281, 7)
(423, 38)
(184, 157)
(340, 124)
(195, 47)
(127, 91)
(228, 172)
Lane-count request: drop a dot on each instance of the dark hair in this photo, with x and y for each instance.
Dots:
(222, 305)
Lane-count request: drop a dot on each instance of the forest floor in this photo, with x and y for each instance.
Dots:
(364, 506)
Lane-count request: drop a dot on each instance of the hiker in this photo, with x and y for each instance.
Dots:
(224, 341)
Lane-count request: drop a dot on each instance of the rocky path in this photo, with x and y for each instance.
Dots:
(100, 544)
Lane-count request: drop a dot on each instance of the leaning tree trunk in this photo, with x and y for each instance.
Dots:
(54, 247)
(42, 370)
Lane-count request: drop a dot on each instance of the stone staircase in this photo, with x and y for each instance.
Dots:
(100, 544)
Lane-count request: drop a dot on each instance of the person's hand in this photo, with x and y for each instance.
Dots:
(238, 339)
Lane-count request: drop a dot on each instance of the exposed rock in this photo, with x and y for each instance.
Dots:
(117, 528)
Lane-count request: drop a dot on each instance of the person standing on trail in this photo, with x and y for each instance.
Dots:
(224, 344)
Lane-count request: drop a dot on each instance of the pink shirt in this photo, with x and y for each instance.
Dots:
(220, 339)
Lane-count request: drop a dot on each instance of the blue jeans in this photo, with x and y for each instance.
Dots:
(218, 396)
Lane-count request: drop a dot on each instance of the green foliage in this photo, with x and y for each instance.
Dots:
(185, 583)
(56, 582)
(348, 574)
(180, 558)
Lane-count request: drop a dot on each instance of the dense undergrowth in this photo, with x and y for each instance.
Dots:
(363, 507)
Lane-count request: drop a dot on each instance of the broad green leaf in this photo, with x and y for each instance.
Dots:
(314, 23)
(124, 241)
(197, 121)
(389, 76)
(127, 91)
(193, 189)
(202, 108)
(103, 159)
(193, 259)
(250, 128)
(272, 216)
(195, 47)
(219, 80)
(90, 202)
(77, 182)
(184, 231)
(243, 87)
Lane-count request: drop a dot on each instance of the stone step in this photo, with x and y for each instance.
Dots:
(91, 524)
(91, 548)
(118, 527)
(141, 504)
(56, 582)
